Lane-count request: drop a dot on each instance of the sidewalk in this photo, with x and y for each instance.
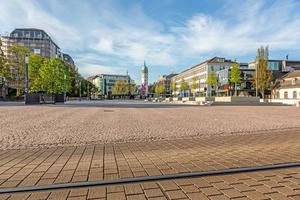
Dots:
(44, 166)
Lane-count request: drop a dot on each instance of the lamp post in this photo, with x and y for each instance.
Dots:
(79, 90)
(256, 88)
(26, 78)
(65, 87)
(88, 90)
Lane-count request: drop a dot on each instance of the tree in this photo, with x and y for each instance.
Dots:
(211, 80)
(195, 84)
(2, 61)
(52, 75)
(120, 88)
(159, 88)
(183, 85)
(235, 76)
(35, 63)
(17, 63)
(262, 75)
(143, 90)
(174, 87)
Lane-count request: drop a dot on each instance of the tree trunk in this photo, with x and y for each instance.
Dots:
(235, 89)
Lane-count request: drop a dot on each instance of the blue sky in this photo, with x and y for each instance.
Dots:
(112, 36)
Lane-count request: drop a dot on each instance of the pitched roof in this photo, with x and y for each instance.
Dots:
(292, 74)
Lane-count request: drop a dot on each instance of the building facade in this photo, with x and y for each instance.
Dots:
(245, 87)
(166, 81)
(200, 73)
(288, 87)
(69, 61)
(105, 82)
(144, 81)
(36, 40)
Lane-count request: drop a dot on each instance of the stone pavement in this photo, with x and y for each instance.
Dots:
(275, 184)
(44, 166)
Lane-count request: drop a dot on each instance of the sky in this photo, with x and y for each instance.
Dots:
(115, 36)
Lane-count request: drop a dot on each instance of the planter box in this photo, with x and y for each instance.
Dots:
(188, 99)
(177, 98)
(237, 99)
(168, 99)
(204, 99)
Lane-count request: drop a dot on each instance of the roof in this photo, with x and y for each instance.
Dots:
(144, 67)
(171, 75)
(292, 74)
(45, 35)
(211, 60)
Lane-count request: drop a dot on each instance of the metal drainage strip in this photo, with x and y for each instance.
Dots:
(146, 179)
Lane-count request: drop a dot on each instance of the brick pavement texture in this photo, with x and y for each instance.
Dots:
(46, 166)
(273, 184)
(52, 126)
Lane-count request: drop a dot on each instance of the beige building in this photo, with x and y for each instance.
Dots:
(288, 87)
(200, 73)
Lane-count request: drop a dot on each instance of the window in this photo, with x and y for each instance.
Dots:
(286, 95)
(273, 65)
(295, 95)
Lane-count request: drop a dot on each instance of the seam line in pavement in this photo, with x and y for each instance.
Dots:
(146, 178)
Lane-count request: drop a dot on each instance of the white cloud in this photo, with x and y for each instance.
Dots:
(93, 69)
(105, 37)
(241, 31)
(19, 14)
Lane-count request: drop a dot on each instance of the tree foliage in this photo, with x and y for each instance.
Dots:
(159, 88)
(262, 75)
(2, 61)
(16, 64)
(235, 76)
(52, 74)
(35, 63)
(174, 86)
(120, 88)
(183, 85)
(211, 80)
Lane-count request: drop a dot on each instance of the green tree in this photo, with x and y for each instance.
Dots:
(35, 63)
(159, 88)
(195, 84)
(183, 85)
(17, 63)
(211, 80)
(173, 87)
(235, 76)
(52, 75)
(2, 61)
(120, 88)
(263, 76)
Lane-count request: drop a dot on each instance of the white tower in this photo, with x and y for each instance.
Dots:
(144, 80)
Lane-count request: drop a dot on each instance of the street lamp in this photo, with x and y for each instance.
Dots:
(79, 90)
(26, 78)
(65, 87)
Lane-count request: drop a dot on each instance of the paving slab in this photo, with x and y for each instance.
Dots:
(111, 161)
(234, 186)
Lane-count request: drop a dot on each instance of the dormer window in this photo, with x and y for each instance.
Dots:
(294, 81)
(221, 60)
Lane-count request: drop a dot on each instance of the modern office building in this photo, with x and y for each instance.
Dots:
(279, 67)
(245, 87)
(105, 82)
(200, 73)
(36, 40)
